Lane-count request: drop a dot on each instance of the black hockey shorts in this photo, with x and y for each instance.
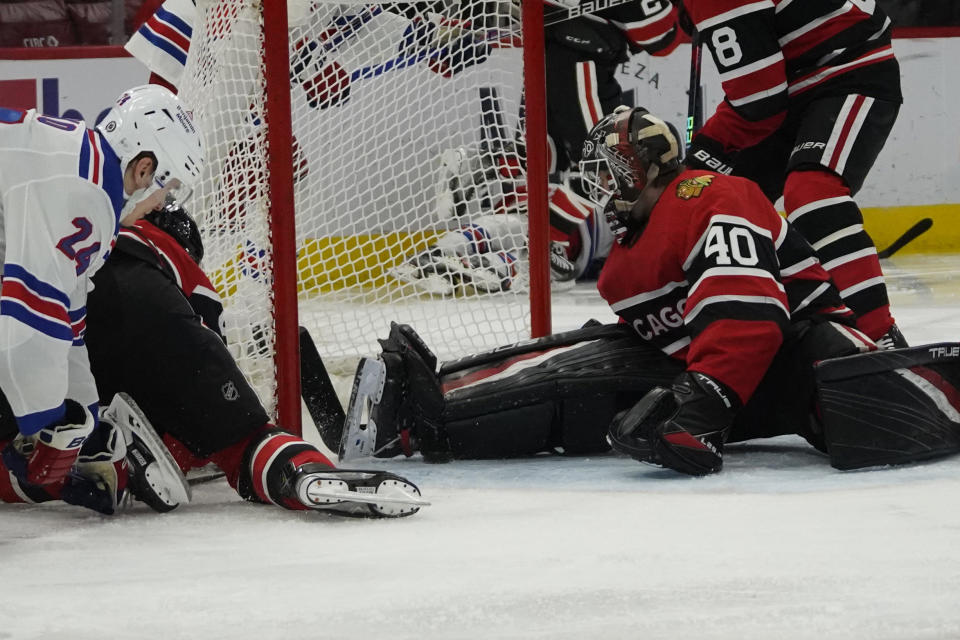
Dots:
(144, 338)
(784, 401)
(841, 133)
(580, 91)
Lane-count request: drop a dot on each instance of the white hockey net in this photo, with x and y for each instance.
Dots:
(379, 94)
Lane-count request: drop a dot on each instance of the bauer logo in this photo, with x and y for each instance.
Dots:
(803, 146)
(592, 6)
(945, 352)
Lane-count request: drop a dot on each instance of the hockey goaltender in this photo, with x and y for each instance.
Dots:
(730, 330)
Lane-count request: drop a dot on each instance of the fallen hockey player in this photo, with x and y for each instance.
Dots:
(176, 392)
(731, 330)
(63, 190)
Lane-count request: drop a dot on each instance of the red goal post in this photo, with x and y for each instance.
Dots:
(326, 125)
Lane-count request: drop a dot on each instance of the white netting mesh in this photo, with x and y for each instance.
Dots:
(379, 94)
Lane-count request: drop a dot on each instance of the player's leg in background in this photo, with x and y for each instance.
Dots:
(581, 89)
(838, 141)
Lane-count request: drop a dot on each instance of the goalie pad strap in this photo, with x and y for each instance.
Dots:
(891, 407)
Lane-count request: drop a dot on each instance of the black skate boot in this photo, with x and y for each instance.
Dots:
(399, 396)
(351, 492)
(892, 339)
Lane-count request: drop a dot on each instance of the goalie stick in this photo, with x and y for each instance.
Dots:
(560, 12)
(695, 92)
(318, 393)
(909, 236)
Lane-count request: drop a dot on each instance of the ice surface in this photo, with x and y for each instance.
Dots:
(778, 545)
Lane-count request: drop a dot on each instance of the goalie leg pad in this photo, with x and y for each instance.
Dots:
(559, 397)
(891, 407)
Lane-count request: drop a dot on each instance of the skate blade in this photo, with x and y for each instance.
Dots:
(390, 499)
(359, 438)
(127, 416)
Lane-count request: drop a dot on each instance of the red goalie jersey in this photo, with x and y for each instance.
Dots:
(716, 277)
(775, 53)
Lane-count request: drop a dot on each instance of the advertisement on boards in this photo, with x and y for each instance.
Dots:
(80, 89)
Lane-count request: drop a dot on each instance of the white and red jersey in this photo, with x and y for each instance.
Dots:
(772, 53)
(650, 25)
(61, 193)
(145, 241)
(716, 277)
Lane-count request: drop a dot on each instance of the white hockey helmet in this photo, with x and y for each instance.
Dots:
(151, 118)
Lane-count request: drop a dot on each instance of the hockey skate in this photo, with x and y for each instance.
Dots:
(154, 477)
(362, 436)
(396, 403)
(352, 492)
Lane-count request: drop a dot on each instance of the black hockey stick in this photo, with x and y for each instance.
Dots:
(694, 93)
(318, 393)
(909, 236)
(203, 476)
(559, 12)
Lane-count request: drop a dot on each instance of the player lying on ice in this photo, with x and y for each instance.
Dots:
(153, 332)
(730, 330)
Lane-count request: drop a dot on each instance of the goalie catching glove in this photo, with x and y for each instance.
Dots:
(681, 428)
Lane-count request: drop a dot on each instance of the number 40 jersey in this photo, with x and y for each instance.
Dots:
(61, 193)
(716, 277)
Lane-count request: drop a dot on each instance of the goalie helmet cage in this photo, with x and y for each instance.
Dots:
(325, 127)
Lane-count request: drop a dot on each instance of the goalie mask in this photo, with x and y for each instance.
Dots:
(624, 153)
(152, 119)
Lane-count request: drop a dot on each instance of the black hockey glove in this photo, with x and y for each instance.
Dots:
(682, 428)
(708, 154)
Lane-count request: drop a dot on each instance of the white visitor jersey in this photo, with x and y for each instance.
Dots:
(61, 192)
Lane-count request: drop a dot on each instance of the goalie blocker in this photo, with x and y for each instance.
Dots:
(561, 393)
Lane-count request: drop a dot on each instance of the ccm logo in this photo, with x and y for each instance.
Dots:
(944, 352)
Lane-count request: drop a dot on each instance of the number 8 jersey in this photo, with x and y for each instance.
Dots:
(61, 192)
(716, 277)
(772, 54)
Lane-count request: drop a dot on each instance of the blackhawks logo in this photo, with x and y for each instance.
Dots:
(691, 187)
